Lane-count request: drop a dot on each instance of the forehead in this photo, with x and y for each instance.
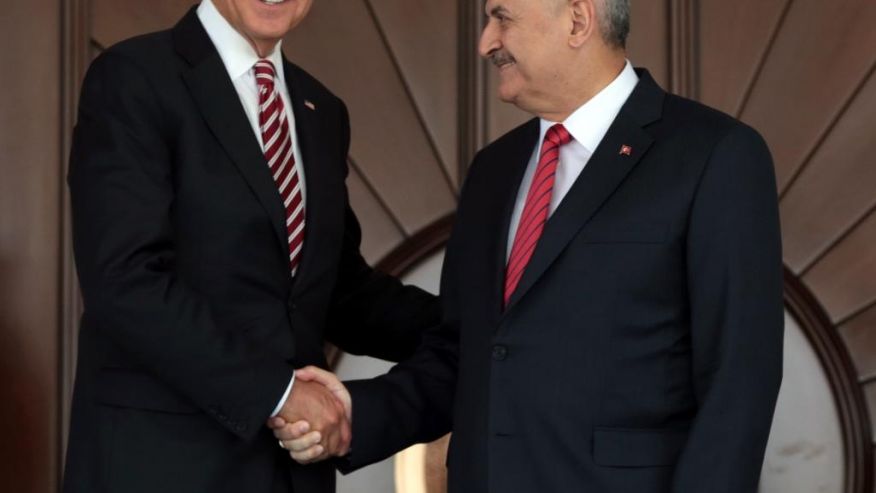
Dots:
(492, 6)
(515, 6)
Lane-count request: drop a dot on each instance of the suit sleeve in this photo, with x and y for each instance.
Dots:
(736, 313)
(121, 183)
(413, 403)
(373, 313)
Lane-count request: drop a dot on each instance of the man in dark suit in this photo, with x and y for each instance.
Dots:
(612, 289)
(217, 251)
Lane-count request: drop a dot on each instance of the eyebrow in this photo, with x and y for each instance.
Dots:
(499, 9)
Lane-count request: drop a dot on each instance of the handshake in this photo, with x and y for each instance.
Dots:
(315, 421)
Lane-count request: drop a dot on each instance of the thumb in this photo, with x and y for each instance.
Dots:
(315, 374)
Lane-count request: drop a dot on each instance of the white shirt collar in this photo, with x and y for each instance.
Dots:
(237, 54)
(590, 122)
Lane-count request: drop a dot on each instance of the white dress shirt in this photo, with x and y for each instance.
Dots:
(588, 125)
(239, 57)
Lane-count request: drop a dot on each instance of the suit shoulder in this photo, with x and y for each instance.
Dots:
(144, 49)
(132, 62)
(693, 117)
(715, 143)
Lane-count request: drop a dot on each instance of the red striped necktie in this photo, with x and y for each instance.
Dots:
(277, 145)
(535, 210)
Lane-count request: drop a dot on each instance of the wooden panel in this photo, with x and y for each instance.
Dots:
(340, 45)
(648, 44)
(379, 233)
(115, 20)
(860, 336)
(816, 63)
(422, 36)
(836, 188)
(730, 56)
(30, 178)
(843, 280)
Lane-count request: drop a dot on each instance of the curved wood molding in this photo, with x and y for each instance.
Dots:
(843, 379)
(417, 247)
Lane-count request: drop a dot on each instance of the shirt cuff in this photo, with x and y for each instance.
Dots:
(283, 399)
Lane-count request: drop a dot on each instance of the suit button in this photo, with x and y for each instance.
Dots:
(500, 352)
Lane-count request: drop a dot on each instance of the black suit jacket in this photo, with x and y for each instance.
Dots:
(641, 352)
(193, 324)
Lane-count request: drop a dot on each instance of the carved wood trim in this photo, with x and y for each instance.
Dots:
(843, 378)
(75, 44)
(472, 85)
(684, 48)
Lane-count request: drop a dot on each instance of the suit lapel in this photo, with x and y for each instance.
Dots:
(219, 103)
(511, 167)
(311, 141)
(597, 182)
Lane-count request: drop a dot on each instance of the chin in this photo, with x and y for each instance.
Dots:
(507, 94)
(277, 20)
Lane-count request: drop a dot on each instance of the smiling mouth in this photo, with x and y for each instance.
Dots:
(273, 2)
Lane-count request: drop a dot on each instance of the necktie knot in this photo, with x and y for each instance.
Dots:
(558, 135)
(264, 73)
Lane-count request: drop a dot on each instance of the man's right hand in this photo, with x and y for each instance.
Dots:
(314, 403)
(306, 446)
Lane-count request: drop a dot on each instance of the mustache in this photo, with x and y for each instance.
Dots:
(501, 57)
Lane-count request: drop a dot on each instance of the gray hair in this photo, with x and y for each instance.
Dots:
(614, 22)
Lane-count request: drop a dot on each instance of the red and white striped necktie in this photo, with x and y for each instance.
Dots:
(277, 142)
(535, 209)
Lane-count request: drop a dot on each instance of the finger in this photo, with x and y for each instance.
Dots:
(276, 422)
(301, 444)
(300, 427)
(293, 431)
(344, 401)
(331, 382)
(313, 373)
(308, 456)
(305, 374)
(346, 439)
(329, 441)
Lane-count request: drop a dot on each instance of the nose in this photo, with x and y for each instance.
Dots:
(489, 42)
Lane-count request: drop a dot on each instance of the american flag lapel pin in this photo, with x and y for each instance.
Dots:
(626, 150)
(309, 105)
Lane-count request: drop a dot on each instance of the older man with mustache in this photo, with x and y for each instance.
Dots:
(612, 290)
(217, 251)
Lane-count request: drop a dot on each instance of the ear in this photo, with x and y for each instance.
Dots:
(584, 21)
